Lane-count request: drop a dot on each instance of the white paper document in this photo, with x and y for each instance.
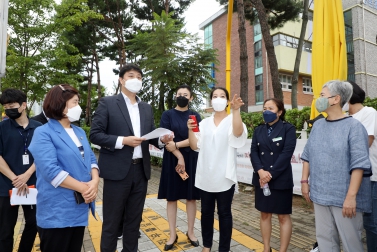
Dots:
(27, 199)
(157, 133)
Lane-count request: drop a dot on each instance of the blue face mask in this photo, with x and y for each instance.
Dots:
(322, 103)
(269, 116)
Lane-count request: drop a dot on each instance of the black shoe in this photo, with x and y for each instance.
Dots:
(193, 243)
(170, 246)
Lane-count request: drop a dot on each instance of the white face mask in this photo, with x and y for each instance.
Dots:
(133, 85)
(219, 104)
(74, 113)
(346, 107)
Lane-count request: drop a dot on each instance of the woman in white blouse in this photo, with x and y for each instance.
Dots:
(216, 178)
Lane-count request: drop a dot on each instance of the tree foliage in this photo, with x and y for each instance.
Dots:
(37, 55)
(171, 57)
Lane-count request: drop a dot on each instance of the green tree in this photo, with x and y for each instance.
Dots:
(171, 57)
(301, 41)
(37, 56)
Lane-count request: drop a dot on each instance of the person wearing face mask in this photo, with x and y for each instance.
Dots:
(216, 178)
(118, 124)
(271, 151)
(17, 169)
(178, 157)
(67, 171)
(336, 163)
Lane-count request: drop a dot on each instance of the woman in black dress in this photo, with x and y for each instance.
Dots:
(178, 156)
(271, 151)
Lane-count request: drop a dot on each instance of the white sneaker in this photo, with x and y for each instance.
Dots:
(120, 237)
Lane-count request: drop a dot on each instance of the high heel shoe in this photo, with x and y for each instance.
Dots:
(170, 246)
(193, 243)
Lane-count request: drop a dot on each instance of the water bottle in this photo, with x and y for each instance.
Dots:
(266, 190)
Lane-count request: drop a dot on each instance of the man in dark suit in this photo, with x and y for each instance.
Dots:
(41, 117)
(118, 124)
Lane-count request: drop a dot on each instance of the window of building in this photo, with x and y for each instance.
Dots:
(310, 15)
(208, 42)
(349, 45)
(208, 36)
(258, 62)
(285, 81)
(289, 41)
(307, 85)
(259, 89)
(257, 28)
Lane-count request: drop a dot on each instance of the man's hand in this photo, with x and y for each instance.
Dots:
(167, 138)
(21, 180)
(132, 141)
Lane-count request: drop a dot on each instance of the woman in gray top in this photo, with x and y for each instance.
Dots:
(336, 159)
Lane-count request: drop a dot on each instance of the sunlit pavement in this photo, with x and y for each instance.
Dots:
(155, 230)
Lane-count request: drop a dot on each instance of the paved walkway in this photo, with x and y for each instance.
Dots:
(155, 230)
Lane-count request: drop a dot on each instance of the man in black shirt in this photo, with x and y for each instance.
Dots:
(17, 170)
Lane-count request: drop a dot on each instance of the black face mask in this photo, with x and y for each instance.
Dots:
(13, 113)
(182, 101)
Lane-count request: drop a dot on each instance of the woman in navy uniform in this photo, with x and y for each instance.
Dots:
(271, 151)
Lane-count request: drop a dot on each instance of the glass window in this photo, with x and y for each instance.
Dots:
(259, 89)
(307, 85)
(257, 28)
(258, 61)
(285, 81)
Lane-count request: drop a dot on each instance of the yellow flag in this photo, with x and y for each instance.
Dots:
(329, 53)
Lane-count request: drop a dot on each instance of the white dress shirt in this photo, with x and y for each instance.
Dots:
(216, 168)
(133, 110)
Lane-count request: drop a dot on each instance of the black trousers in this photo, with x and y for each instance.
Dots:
(8, 220)
(224, 210)
(123, 200)
(68, 239)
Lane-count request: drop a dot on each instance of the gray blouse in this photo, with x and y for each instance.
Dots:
(333, 150)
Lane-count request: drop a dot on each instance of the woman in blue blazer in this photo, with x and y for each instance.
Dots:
(67, 173)
(271, 151)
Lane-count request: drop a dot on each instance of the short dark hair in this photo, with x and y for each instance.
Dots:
(223, 89)
(129, 67)
(358, 95)
(12, 95)
(186, 87)
(56, 100)
(280, 104)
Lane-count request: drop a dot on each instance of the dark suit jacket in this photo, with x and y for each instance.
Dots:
(111, 120)
(273, 154)
(40, 118)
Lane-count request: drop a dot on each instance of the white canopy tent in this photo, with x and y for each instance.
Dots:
(3, 35)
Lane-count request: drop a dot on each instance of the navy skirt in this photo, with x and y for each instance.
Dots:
(279, 202)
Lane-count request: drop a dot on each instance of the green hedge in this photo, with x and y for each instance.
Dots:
(254, 119)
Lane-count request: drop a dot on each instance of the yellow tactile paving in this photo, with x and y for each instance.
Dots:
(156, 228)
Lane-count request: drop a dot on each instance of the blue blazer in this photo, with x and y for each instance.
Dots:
(54, 151)
(273, 154)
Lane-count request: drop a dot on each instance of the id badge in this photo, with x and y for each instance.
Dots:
(25, 159)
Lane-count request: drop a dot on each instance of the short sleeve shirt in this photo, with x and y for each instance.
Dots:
(12, 146)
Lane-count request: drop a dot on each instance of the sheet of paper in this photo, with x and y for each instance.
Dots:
(157, 133)
(28, 199)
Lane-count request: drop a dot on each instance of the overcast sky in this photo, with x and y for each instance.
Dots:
(198, 12)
